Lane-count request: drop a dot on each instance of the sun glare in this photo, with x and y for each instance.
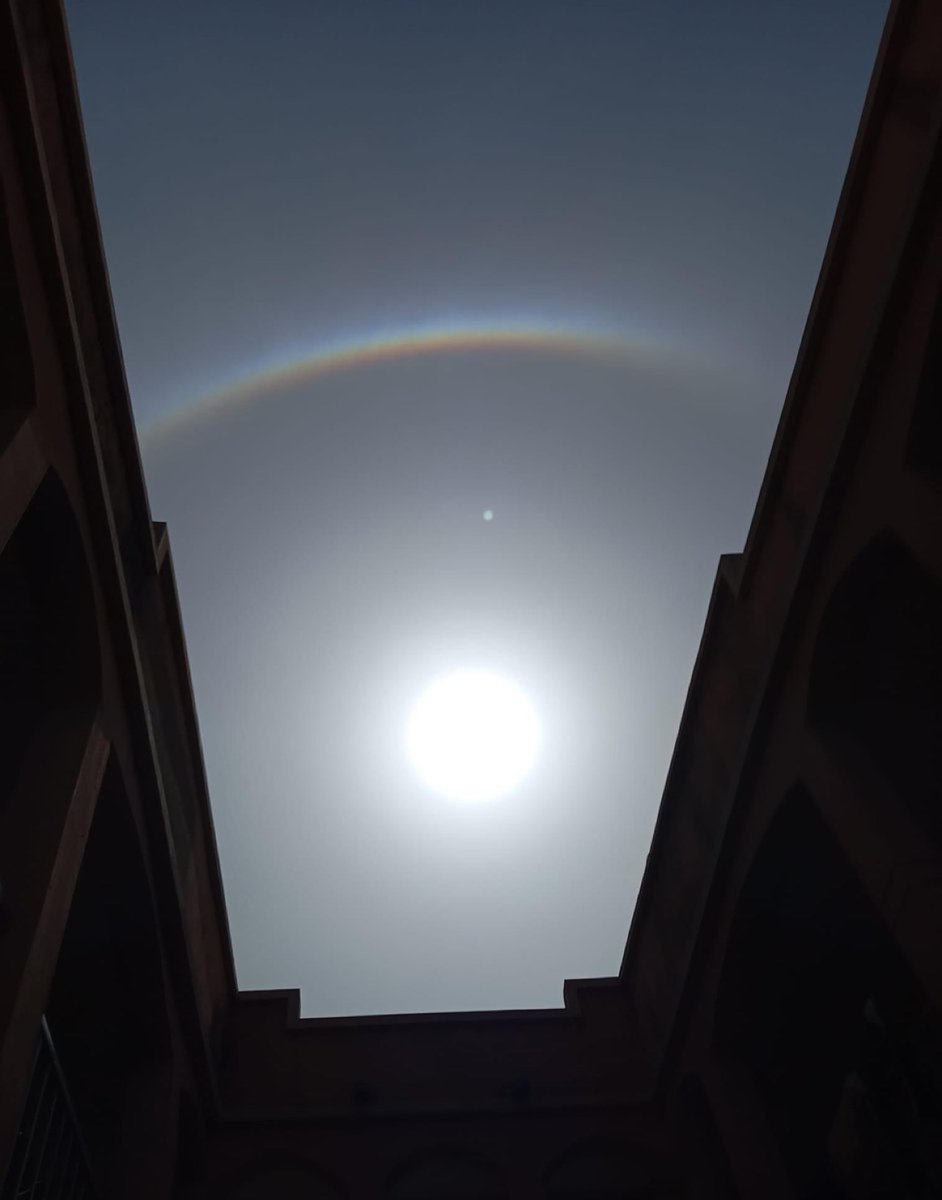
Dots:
(473, 735)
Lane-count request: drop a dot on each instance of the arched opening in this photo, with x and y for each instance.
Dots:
(446, 1173)
(17, 383)
(819, 1006)
(107, 1011)
(49, 655)
(876, 678)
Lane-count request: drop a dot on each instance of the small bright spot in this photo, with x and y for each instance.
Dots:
(488, 514)
(473, 735)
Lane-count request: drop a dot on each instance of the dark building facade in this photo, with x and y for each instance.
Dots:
(775, 1029)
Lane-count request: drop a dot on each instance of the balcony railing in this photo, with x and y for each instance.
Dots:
(49, 1159)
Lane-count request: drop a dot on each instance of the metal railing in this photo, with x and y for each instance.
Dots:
(49, 1161)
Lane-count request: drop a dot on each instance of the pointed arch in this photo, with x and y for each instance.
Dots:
(817, 1005)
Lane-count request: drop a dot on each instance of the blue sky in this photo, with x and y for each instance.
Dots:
(278, 179)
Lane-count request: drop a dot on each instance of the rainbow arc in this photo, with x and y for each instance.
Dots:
(401, 346)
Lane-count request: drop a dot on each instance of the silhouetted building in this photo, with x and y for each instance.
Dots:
(775, 1027)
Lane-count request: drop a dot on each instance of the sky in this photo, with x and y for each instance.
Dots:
(380, 268)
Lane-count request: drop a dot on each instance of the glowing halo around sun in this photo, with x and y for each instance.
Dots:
(472, 735)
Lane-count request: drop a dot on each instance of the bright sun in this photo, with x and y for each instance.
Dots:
(473, 735)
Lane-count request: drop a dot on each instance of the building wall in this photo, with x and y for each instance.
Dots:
(775, 1028)
(820, 927)
(113, 922)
